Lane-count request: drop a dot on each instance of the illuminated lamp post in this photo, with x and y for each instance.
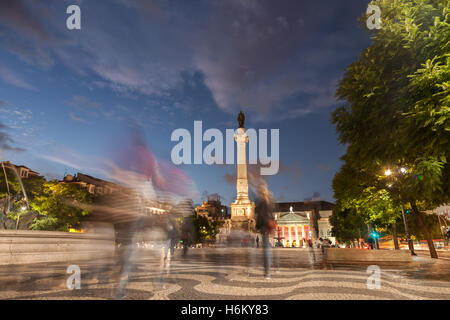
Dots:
(388, 173)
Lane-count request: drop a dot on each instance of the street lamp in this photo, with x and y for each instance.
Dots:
(388, 172)
(23, 209)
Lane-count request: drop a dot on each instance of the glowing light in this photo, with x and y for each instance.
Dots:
(23, 208)
(388, 172)
(402, 170)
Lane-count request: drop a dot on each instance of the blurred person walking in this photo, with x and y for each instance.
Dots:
(265, 224)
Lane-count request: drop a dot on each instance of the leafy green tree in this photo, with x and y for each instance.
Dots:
(347, 224)
(12, 198)
(205, 229)
(396, 112)
(61, 206)
(416, 229)
(13, 186)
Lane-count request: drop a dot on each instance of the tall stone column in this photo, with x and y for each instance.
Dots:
(241, 139)
(242, 210)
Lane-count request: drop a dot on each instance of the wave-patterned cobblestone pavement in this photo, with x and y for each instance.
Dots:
(232, 275)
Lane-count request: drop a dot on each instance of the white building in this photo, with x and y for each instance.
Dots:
(298, 222)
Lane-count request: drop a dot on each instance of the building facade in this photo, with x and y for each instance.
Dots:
(23, 171)
(213, 209)
(115, 196)
(298, 222)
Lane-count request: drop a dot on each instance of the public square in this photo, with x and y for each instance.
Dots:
(232, 274)
(225, 150)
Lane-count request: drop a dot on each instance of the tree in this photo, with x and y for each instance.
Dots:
(396, 111)
(205, 229)
(12, 198)
(431, 222)
(347, 224)
(61, 206)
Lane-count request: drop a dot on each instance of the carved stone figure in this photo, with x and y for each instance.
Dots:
(241, 119)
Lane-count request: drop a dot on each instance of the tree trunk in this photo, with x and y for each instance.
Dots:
(431, 247)
(394, 235)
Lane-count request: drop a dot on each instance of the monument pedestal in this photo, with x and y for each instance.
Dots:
(243, 215)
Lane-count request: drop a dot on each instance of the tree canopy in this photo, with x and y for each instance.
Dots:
(396, 113)
(61, 206)
(54, 206)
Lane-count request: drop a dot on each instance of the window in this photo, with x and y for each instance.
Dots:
(280, 232)
(306, 232)
(299, 231)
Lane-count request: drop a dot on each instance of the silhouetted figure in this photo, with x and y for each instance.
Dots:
(126, 250)
(257, 241)
(321, 245)
(264, 224)
(172, 234)
(186, 234)
(370, 241)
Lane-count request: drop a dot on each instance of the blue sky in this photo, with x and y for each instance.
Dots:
(71, 99)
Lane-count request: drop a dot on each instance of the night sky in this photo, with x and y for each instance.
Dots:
(71, 100)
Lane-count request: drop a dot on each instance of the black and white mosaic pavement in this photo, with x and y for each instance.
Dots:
(232, 274)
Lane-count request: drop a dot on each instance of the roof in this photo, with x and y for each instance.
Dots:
(303, 206)
(80, 177)
(292, 217)
(90, 179)
(8, 164)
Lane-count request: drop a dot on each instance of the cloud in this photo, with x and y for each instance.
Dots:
(27, 35)
(76, 118)
(85, 106)
(293, 171)
(6, 140)
(230, 178)
(19, 18)
(270, 58)
(83, 103)
(90, 109)
(12, 78)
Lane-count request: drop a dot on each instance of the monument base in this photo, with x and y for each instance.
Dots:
(246, 225)
(243, 216)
